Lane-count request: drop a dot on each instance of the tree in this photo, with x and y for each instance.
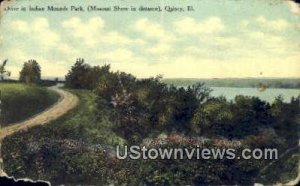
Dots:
(77, 76)
(84, 76)
(200, 91)
(3, 72)
(213, 118)
(31, 72)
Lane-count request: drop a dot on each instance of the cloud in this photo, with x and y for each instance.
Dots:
(117, 55)
(20, 26)
(17, 57)
(44, 34)
(278, 24)
(267, 40)
(50, 69)
(189, 66)
(188, 25)
(87, 31)
(39, 34)
(1, 39)
(228, 41)
(114, 37)
(38, 30)
(187, 47)
(67, 50)
(245, 23)
(92, 32)
(197, 51)
(161, 48)
(294, 7)
(264, 36)
(152, 30)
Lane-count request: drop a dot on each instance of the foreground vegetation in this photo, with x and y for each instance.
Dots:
(118, 109)
(287, 167)
(20, 101)
(69, 150)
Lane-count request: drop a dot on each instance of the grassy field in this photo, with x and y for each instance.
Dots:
(20, 101)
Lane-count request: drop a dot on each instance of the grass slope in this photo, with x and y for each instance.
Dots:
(62, 151)
(20, 101)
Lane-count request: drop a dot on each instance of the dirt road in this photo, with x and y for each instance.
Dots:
(66, 102)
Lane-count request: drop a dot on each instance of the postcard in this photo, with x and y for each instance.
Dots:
(150, 92)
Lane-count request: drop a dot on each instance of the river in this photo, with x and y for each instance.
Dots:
(267, 95)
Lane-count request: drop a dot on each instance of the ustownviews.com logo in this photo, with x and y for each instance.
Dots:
(137, 152)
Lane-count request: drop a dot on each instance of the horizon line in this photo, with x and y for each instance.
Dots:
(186, 78)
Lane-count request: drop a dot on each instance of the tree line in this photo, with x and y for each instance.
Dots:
(29, 74)
(146, 106)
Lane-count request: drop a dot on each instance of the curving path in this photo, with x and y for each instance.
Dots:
(66, 102)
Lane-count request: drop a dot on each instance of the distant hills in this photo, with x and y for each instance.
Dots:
(293, 83)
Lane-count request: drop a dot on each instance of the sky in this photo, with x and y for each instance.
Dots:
(219, 39)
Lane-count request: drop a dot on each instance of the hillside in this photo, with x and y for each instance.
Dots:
(117, 109)
(20, 101)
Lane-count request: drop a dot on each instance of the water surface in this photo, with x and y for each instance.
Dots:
(267, 95)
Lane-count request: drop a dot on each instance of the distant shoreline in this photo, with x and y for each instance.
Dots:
(267, 82)
(287, 83)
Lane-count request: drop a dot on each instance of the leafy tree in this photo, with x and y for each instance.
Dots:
(286, 118)
(77, 76)
(213, 118)
(201, 92)
(3, 72)
(94, 76)
(84, 76)
(31, 72)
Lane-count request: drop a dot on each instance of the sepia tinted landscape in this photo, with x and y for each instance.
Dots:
(87, 79)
